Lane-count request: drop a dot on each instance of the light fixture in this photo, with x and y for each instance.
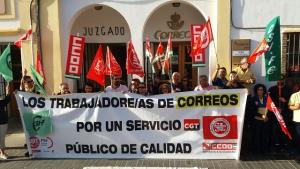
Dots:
(176, 4)
(98, 8)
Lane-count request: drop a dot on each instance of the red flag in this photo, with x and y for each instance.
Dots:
(133, 64)
(96, 71)
(206, 35)
(168, 56)
(196, 48)
(260, 49)
(159, 53)
(112, 67)
(149, 53)
(18, 43)
(271, 107)
(39, 67)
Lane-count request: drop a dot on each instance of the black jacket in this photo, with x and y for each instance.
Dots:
(3, 111)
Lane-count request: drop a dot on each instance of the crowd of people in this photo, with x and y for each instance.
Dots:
(262, 132)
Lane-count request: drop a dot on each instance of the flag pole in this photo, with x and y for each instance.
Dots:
(216, 52)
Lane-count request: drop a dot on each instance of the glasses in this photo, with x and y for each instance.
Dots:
(29, 81)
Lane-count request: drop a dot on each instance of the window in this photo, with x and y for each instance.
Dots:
(291, 54)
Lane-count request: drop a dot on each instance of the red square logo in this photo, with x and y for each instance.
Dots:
(220, 127)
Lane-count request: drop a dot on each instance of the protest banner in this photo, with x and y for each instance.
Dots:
(186, 125)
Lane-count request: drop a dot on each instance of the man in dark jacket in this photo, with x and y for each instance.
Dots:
(3, 123)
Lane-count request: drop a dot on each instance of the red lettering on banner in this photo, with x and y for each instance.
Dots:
(220, 127)
(219, 146)
(191, 124)
(75, 54)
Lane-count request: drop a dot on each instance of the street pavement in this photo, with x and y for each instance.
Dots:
(15, 141)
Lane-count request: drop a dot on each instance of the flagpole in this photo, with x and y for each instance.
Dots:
(216, 52)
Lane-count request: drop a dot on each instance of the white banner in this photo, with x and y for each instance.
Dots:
(187, 125)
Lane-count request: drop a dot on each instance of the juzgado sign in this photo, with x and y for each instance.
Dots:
(187, 125)
(103, 31)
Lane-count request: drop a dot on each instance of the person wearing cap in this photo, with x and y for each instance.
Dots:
(245, 74)
(116, 85)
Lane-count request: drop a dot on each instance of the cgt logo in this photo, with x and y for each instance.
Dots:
(219, 146)
(191, 124)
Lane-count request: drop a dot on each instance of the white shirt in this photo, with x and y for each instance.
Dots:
(121, 88)
(295, 99)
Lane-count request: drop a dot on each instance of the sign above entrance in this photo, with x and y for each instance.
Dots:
(102, 26)
(172, 20)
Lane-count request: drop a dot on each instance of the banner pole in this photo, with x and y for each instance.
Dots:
(216, 52)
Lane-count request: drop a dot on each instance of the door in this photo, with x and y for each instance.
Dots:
(181, 61)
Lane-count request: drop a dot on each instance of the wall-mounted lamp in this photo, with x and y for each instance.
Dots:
(98, 8)
(176, 4)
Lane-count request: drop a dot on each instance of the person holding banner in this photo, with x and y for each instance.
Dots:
(64, 89)
(261, 123)
(176, 84)
(186, 84)
(116, 85)
(245, 74)
(142, 90)
(203, 84)
(134, 85)
(294, 105)
(88, 88)
(164, 88)
(233, 82)
(280, 94)
(4, 122)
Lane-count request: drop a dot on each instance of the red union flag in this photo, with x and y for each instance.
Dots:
(112, 67)
(74, 59)
(260, 49)
(133, 64)
(197, 52)
(25, 36)
(220, 127)
(168, 56)
(96, 71)
(271, 107)
(149, 52)
(206, 34)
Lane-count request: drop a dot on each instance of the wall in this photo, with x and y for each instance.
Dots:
(135, 12)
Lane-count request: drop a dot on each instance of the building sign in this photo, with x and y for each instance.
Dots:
(103, 31)
(101, 26)
(175, 20)
(2, 7)
(175, 24)
(241, 47)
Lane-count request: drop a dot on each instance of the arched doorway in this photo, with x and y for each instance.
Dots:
(101, 24)
(175, 17)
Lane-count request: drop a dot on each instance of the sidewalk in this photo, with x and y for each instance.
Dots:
(15, 141)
